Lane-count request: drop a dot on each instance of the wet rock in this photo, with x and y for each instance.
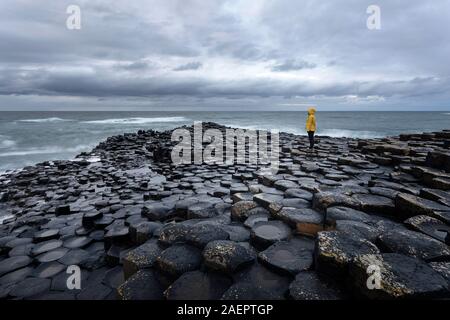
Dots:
(62, 210)
(324, 200)
(241, 209)
(141, 257)
(298, 193)
(237, 232)
(201, 234)
(96, 291)
(30, 287)
(178, 259)
(157, 212)
(266, 199)
(309, 286)
(143, 231)
(90, 217)
(414, 244)
(443, 268)
(48, 270)
(46, 234)
(14, 263)
(410, 205)
(201, 210)
(289, 257)
(258, 283)
(52, 255)
(197, 285)
(118, 236)
(375, 204)
(143, 285)
(430, 226)
(227, 256)
(77, 242)
(335, 250)
(358, 229)
(46, 246)
(401, 277)
(16, 276)
(264, 234)
(174, 233)
(254, 219)
(74, 257)
(285, 185)
(335, 214)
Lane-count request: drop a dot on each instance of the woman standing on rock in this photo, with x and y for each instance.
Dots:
(311, 126)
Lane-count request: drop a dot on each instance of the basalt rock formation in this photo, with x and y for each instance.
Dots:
(356, 218)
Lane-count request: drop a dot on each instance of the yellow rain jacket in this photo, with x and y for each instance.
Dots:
(311, 120)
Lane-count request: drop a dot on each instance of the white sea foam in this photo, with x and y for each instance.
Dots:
(137, 120)
(6, 142)
(45, 150)
(52, 119)
(337, 133)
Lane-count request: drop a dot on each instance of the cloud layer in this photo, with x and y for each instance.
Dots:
(240, 53)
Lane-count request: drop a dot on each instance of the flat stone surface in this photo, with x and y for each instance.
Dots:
(30, 287)
(46, 246)
(289, 257)
(174, 233)
(430, 226)
(358, 229)
(143, 285)
(96, 291)
(16, 276)
(411, 205)
(343, 213)
(401, 277)
(264, 234)
(414, 244)
(197, 285)
(74, 257)
(266, 199)
(14, 263)
(309, 286)
(178, 259)
(227, 256)
(335, 250)
(258, 283)
(241, 209)
(48, 270)
(52, 255)
(141, 257)
(45, 235)
(201, 234)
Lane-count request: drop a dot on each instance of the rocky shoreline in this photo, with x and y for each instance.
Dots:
(140, 227)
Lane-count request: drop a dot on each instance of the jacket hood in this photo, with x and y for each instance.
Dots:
(311, 111)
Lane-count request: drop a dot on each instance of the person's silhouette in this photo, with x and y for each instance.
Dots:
(311, 126)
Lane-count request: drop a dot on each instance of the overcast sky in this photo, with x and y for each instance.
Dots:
(235, 54)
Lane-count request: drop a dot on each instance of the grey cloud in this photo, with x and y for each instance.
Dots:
(293, 65)
(129, 50)
(189, 66)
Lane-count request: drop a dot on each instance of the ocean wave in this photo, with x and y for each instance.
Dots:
(45, 150)
(6, 142)
(52, 119)
(137, 120)
(339, 133)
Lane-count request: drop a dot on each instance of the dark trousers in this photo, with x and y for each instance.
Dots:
(311, 139)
